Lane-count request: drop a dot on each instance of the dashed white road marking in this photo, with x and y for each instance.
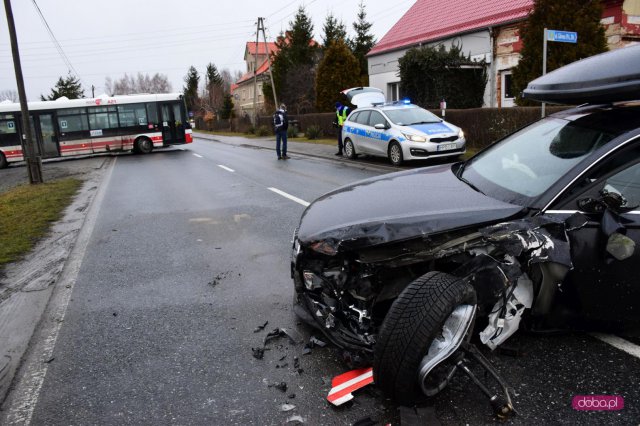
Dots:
(226, 168)
(198, 155)
(619, 343)
(289, 196)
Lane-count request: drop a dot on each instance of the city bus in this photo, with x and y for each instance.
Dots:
(64, 127)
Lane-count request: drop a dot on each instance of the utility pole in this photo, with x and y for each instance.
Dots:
(93, 91)
(260, 27)
(273, 86)
(255, 78)
(34, 162)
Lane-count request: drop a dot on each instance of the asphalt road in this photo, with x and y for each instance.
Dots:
(190, 253)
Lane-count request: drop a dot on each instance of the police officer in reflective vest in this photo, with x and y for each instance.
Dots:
(341, 116)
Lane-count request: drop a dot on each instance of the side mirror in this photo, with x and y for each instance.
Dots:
(608, 200)
(591, 205)
(380, 126)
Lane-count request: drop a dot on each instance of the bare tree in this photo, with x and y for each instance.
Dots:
(8, 95)
(142, 83)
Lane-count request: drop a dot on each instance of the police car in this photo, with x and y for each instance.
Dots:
(399, 130)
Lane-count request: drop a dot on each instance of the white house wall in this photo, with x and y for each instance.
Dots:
(383, 68)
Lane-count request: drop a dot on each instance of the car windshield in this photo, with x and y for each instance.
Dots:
(526, 164)
(410, 116)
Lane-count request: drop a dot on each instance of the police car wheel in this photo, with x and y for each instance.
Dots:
(349, 149)
(395, 154)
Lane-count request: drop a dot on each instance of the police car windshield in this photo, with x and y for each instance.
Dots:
(408, 116)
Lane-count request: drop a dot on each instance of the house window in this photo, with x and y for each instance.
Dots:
(508, 93)
(393, 91)
(507, 97)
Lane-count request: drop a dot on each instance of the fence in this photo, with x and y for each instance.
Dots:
(481, 126)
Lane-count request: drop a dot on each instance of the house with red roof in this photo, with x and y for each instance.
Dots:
(256, 57)
(484, 30)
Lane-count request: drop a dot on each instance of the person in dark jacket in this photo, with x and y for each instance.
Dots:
(280, 125)
(341, 115)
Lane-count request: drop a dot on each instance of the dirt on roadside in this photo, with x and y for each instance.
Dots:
(17, 174)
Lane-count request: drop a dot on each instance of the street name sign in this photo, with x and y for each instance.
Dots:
(562, 36)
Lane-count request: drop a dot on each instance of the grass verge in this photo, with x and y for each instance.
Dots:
(26, 213)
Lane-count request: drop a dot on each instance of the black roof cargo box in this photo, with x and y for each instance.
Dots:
(608, 77)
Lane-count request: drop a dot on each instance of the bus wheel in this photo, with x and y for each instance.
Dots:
(143, 146)
(3, 161)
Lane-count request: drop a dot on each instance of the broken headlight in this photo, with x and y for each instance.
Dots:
(311, 280)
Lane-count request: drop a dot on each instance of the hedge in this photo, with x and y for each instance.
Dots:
(481, 126)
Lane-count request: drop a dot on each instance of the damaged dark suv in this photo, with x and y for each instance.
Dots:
(540, 229)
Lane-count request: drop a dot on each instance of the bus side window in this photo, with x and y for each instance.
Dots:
(8, 132)
(73, 123)
(152, 113)
(178, 114)
(132, 115)
(103, 118)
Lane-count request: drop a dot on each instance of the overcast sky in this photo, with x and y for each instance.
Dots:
(110, 38)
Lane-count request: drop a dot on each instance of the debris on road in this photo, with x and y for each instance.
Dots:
(344, 385)
(293, 336)
(287, 407)
(258, 353)
(261, 327)
(317, 342)
(281, 386)
(296, 418)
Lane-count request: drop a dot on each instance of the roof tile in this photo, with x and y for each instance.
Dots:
(429, 20)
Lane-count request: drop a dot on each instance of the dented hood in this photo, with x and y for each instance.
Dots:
(395, 207)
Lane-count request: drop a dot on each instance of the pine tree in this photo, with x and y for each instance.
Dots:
(226, 111)
(294, 65)
(362, 43)
(581, 16)
(213, 76)
(338, 70)
(333, 31)
(191, 89)
(69, 87)
(215, 89)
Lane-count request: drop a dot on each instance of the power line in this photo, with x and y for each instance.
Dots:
(55, 41)
(92, 51)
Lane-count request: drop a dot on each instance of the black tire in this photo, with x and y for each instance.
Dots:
(349, 149)
(395, 154)
(3, 161)
(414, 320)
(143, 146)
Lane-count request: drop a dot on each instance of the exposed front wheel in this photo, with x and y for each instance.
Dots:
(395, 154)
(349, 149)
(143, 146)
(430, 318)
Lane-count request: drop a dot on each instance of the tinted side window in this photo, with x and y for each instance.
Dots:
(8, 130)
(103, 118)
(627, 184)
(363, 118)
(376, 118)
(73, 123)
(353, 117)
(132, 115)
(152, 112)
